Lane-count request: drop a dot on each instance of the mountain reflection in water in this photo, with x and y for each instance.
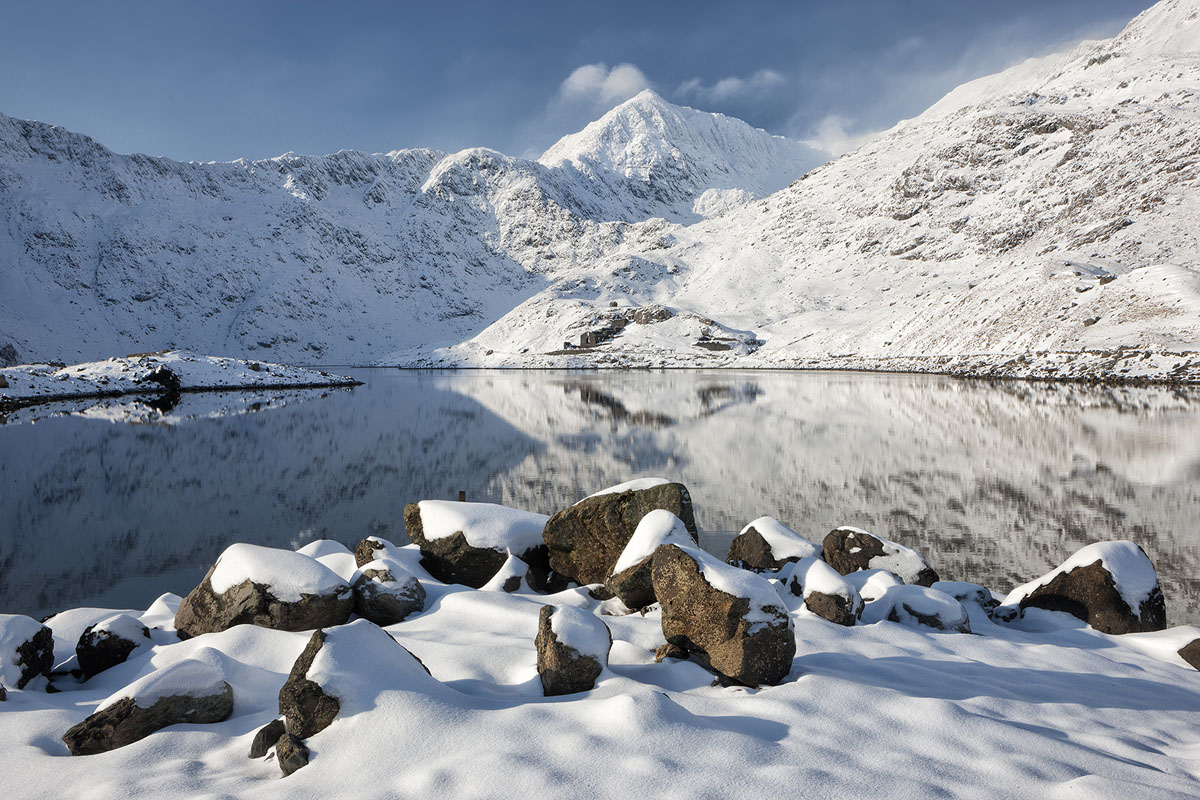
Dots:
(994, 483)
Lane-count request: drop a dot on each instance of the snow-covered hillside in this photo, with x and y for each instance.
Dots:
(1037, 222)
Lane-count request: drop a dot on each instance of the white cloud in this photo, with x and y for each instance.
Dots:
(833, 135)
(731, 87)
(596, 83)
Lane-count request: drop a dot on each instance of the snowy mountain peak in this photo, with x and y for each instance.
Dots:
(1167, 27)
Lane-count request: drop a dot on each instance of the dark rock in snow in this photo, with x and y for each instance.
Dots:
(385, 593)
(634, 585)
(767, 545)
(291, 753)
(26, 649)
(266, 738)
(566, 659)
(102, 646)
(1190, 653)
(454, 559)
(747, 637)
(668, 650)
(3, 693)
(850, 549)
(305, 706)
(631, 579)
(370, 549)
(586, 539)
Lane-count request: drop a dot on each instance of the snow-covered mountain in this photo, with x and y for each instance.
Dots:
(1038, 221)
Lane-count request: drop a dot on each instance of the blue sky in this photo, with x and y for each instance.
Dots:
(220, 80)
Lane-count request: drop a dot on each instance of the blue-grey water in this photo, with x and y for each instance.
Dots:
(112, 504)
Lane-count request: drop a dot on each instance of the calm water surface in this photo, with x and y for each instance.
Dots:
(995, 483)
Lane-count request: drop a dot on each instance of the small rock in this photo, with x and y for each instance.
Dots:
(767, 545)
(291, 753)
(266, 738)
(305, 706)
(872, 583)
(108, 643)
(668, 650)
(372, 548)
(468, 543)
(586, 539)
(851, 549)
(572, 647)
(1190, 653)
(3, 693)
(26, 649)
(386, 593)
(826, 593)
(631, 579)
(732, 619)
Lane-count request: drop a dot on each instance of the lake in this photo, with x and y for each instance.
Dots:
(995, 483)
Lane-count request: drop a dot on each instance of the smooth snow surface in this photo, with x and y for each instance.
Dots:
(907, 602)
(289, 574)
(783, 541)
(1132, 572)
(187, 677)
(485, 525)
(583, 631)
(334, 555)
(872, 583)
(657, 527)
(124, 626)
(15, 630)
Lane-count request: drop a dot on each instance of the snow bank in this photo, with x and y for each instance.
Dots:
(485, 525)
(784, 542)
(629, 486)
(583, 631)
(334, 555)
(1132, 572)
(187, 677)
(657, 527)
(288, 574)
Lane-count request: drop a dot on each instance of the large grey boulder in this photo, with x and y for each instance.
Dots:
(586, 539)
(26, 650)
(850, 549)
(265, 586)
(631, 580)
(1112, 586)
(188, 691)
(468, 543)
(825, 593)
(108, 643)
(386, 593)
(767, 545)
(572, 649)
(732, 620)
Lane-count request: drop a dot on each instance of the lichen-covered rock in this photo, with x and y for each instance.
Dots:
(272, 588)
(386, 593)
(826, 593)
(26, 649)
(919, 607)
(187, 691)
(108, 643)
(266, 738)
(631, 579)
(586, 539)
(731, 619)
(1111, 586)
(572, 649)
(851, 549)
(291, 753)
(305, 706)
(767, 545)
(468, 543)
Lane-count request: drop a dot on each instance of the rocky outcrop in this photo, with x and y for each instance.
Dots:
(248, 593)
(26, 650)
(586, 539)
(851, 549)
(108, 643)
(145, 707)
(731, 619)
(572, 649)
(767, 545)
(306, 707)
(385, 593)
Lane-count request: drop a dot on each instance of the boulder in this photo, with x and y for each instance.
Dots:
(919, 607)
(266, 738)
(372, 548)
(108, 643)
(731, 619)
(468, 543)
(386, 593)
(188, 691)
(767, 545)
(586, 539)
(872, 583)
(268, 587)
(973, 594)
(631, 580)
(572, 649)
(26, 649)
(1111, 586)
(306, 707)
(1190, 653)
(290, 753)
(851, 549)
(826, 593)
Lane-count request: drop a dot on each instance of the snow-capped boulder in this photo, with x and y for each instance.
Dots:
(109, 642)
(732, 619)
(290, 753)
(1111, 586)
(26, 650)
(188, 691)
(919, 607)
(385, 592)
(972, 593)
(265, 586)
(586, 539)
(306, 707)
(266, 738)
(850, 549)
(630, 580)
(513, 576)
(334, 555)
(372, 548)
(572, 649)
(872, 583)
(1190, 653)
(826, 593)
(766, 545)
(468, 543)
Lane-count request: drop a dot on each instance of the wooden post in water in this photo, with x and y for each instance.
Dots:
(462, 496)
